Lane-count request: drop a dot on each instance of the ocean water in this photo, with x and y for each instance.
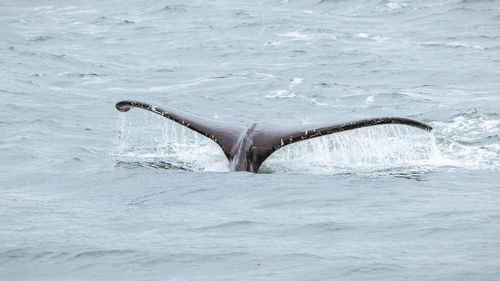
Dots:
(89, 193)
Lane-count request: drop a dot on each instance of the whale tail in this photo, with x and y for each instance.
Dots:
(246, 147)
(226, 135)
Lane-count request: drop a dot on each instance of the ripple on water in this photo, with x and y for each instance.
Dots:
(129, 199)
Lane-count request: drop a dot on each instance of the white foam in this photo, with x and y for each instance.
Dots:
(464, 45)
(280, 94)
(462, 141)
(454, 44)
(393, 5)
(273, 43)
(316, 102)
(362, 35)
(296, 35)
(286, 93)
(381, 39)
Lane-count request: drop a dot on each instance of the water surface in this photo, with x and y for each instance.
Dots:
(88, 193)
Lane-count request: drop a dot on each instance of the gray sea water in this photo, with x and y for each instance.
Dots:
(89, 193)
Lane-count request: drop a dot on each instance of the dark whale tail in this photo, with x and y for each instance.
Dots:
(247, 147)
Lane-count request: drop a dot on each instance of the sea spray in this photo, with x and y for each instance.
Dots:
(167, 142)
(122, 144)
(364, 149)
(378, 147)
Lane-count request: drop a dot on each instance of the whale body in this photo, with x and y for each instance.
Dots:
(247, 147)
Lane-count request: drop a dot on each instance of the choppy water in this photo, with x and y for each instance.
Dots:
(88, 193)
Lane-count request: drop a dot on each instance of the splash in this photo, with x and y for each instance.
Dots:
(121, 133)
(166, 144)
(470, 140)
(363, 149)
(373, 148)
(465, 142)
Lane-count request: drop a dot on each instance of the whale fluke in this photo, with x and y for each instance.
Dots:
(224, 134)
(247, 147)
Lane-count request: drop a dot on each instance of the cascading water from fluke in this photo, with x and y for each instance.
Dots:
(380, 147)
(247, 147)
